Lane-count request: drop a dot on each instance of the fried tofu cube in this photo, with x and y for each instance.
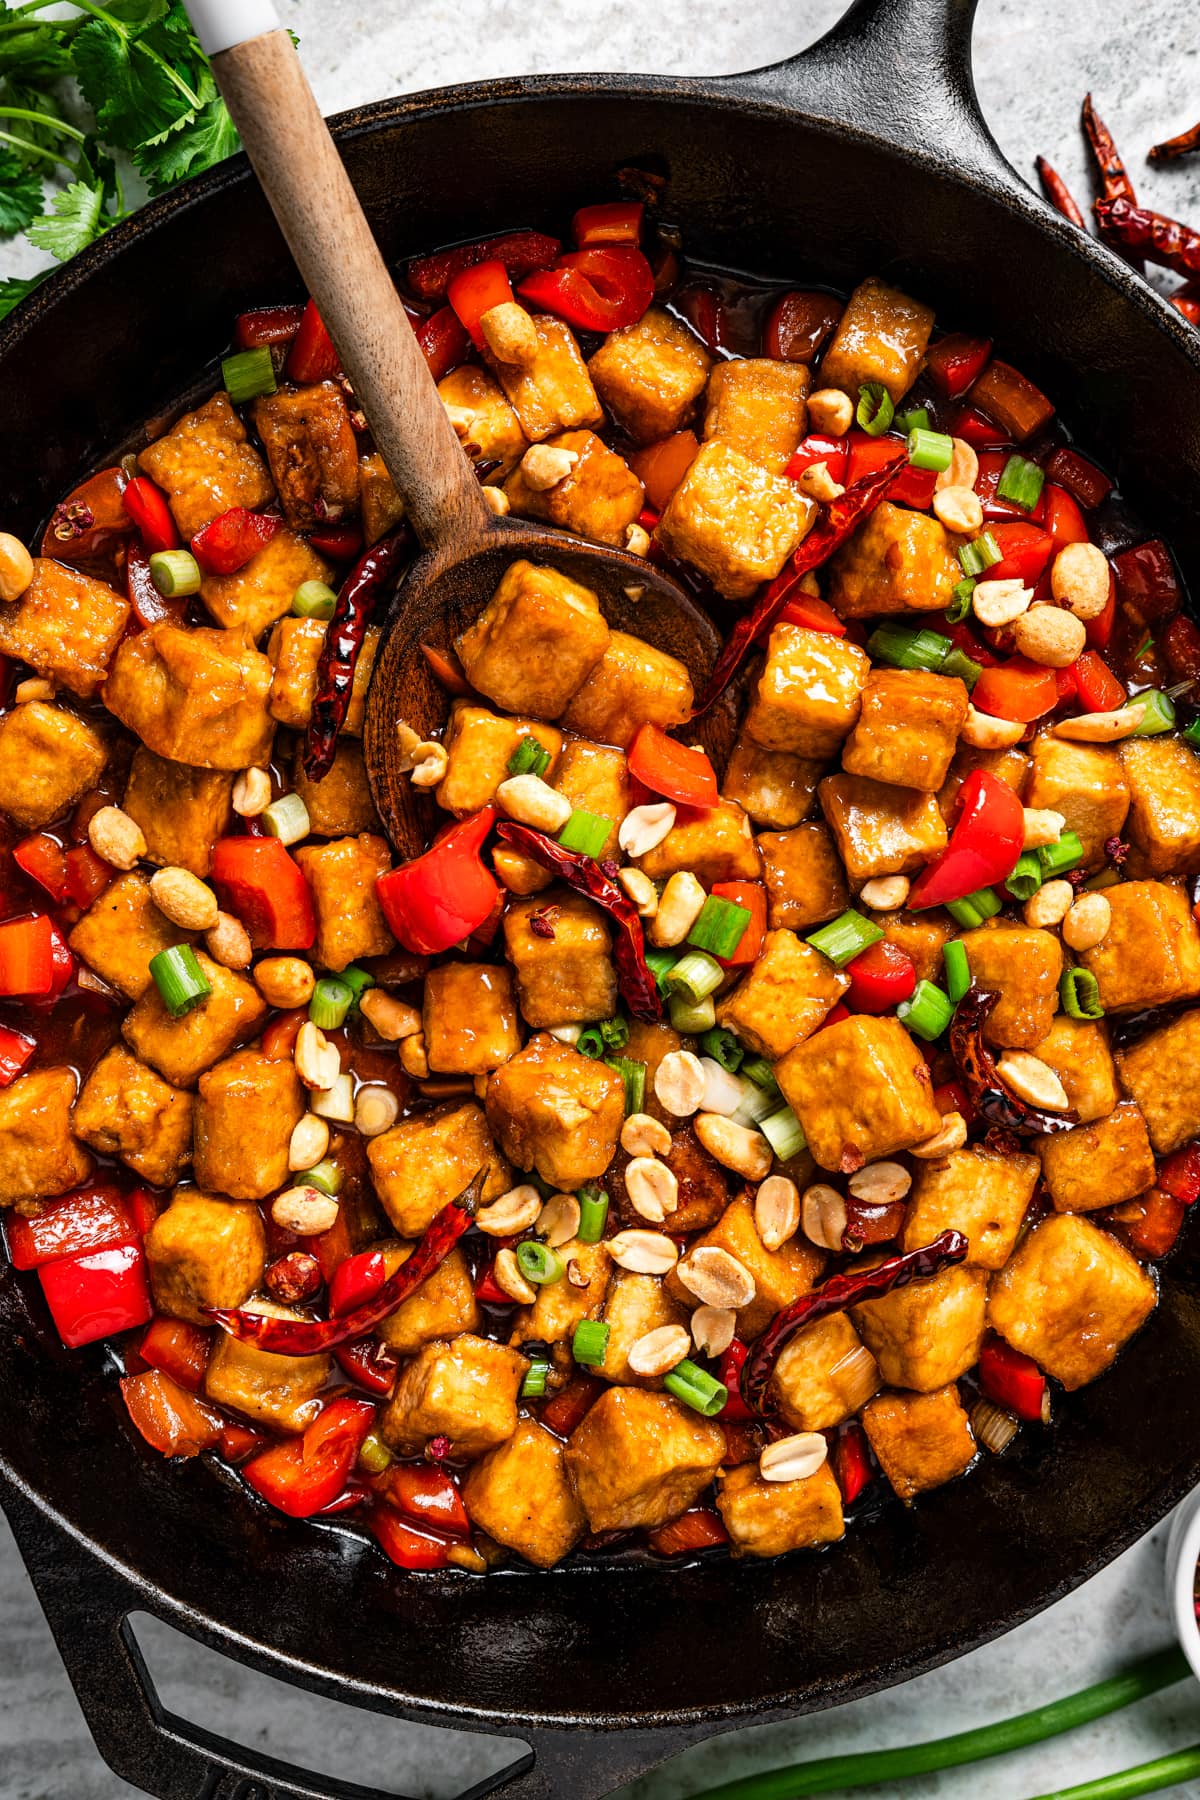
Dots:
(881, 830)
(312, 453)
(195, 697)
(634, 1305)
(1023, 965)
(342, 876)
(1162, 1073)
(977, 1191)
(809, 694)
(1150, 954)
(1083, 782)
(470, 1018)
(49, 758)
(263, 590)
(39, 1156)
(381, 506)
(1101, 1164)
(861, 1090)
(1077, 1050)
(599, 498)
(570, 976)
(715, 845)
(805, 881)
(908, 728)
(595, 778)
(768, 1518)
(703, 1185)
(521, 1495)
(536, 641)
(66, 625)
(780, 1276)
(1164, 806)
(483, 418)
(1071, 1298)
(465, 1390)
(281, 1392)
(247, 1109)
(759, 407)
(207, 465)
(772, 787)
(560, 1305)
(783, 997)
(339, 804)
(882, 336)
(479, 745)
(294, 652)
(424, 1162)
(555, 392)
(121, 932)
(921, 936)
(824, 1375)
(734, 521)
(443, 1306)
(128, 1111)
(929, 1333)
(921, 1440)
(182, 1049)
(898, 561)
(182, 811)
(640, 1458)
(205, 1251)
(1009, 766)
(650, 375)
(556, 1111)
(633, 684)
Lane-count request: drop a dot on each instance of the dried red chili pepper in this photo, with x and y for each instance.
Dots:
(852, 1463)
(1152, 234)
(1013, 1380)
(1181, 145)
(1059, 194)
(585, 875)
(1111, 168)
(1081, 478)
(521, 252)
(977, 1067)
(357, 600)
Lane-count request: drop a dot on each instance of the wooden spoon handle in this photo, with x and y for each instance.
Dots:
(305, 180)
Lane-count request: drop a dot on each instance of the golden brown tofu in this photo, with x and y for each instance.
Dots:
(39, 1157)
(195, 697)
(1150, 954)
(881, 830)
(294, 651)
(1101, 1164)
(921, 936)
(182, 1049)
(182, 811)
(702, 1183)
(486, 424)
(207, 465)
(649, 1043)
(577, 1294)
(734, 521)
(536, 641)
(1164, 806)
(804, 877)
(759, 407)
(126, 1110)
(1077, 1050)
(980, 1192)
(121, 931)
(48, 759)
(470, 1018)
(556, 392)
(1023, 965)
(640, 1458)
(567, 977)
(595, 778)
(633, 684)
(633, 1306)
(772, 787)
(422, 1163)
(929, 1333)
(263, 590)
(768, 1518)
(205, 1251)
(247, 1109)
(780, 1276)
(908, 728)
(715, 845)
(312, 453)
(66, 625)
(556, 1111)
(340, 803)
(521, 1495)
(382, 507)
(1071, 1298)
(783, 997)
(480, 745)
(882, 336)
(898, 561)
(1086, 784)
(465, 1390)
(824, 1375)
(809, 694)
(342, 876)
(281, 1392)
(1008, 766)
(599, 498)
(443, 1306)
(650, 375)
(861, 1090)
(921, 1440)
(1162, 1073)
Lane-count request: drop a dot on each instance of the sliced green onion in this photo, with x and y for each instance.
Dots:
(331, 1001)
(724, 1049)
(593, 1214)
(845, 938)
(175, 573)
(691, 1018)
(1159, 714)
(538, 1263)
(696, 1388)
(181, 982)
(979, 554)
(248, 374)
(325, 1176)
(758, 1070)
(875, 410)
(313, 600)
(1026, 878)
(590, 1042)
(358, 981)
(615, 1032)
(784, 1132)
(1147, 643)
(930, 449)
(529, 758)
(589, 1345)
(1020, 482)
(660, 963)
(958, 970)
(534, 1385)
(756, 1104)
(909, 647)
(960, 606)
(287, 819)
(720, 926)
(1057, 858)
(1192, 734)
(927, 1013)
(336, 1102)
(974, 909)
(374, 1456)
(916, 420)
(965, 667)
(633, 1074)
(585, 832)
(1079, 992)
(695, 976)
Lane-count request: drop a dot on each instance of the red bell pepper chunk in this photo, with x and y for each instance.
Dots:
(1024, 549)
(90, 1218)
(1180, 644)
(229, 542)
(833, 452)
(616, 222)
(488, 1290)
(443, 340)
(730, 1374)
(425, 1493)
(87, 874)
(811, 614)
(260, 883)
(880, 978)
(149, 606)
(44, 860)
(1017, 689)
(835, 1015)
(402, 1544)
(1100, 629)
(753, 896)
(852, 1463)
(594, 290)
(62, 964)
(956, 361)
(1147, 582)
(144, 1207)
(1179, 1175)
(1010, 398)
(147, 506)
(865, 454)
(341, 542)
(178, 1348)
(1013, 1380)
(312, 356)
(571, 1405)
(1097, 686)
(1062, 517)
(368, 1362)
(91, 522)
(992, 464)
(798, 325)
(237, 1442)
(27, 957)
(356, 1281)
(15, 1052)
(279, 1037)
(672, 769)
(1150, 1224)
(475, 291)
(332, 1247)
(97, 1293)
(976, 429)
(661, 466)
(171, 1420)
(440, 898)
(700, 1528)
(1082, 479)
(307, 1473)
(266, 325)
(984, 844)
(520, 251)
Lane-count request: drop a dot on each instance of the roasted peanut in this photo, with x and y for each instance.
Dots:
(713, 1328)
(305, 1210)
(16, 567)
(1033, 1080)
(640, 889)
(509, 1279)
(1080, 580)
(679, 1082)
(1102, 727)
(184, 899)
(531, 801)
(1042, 826)
(1050, 635)
(510, 334)
(251, 793)
(430, 763)
(952, 1136)
(818, 483)
(558, 1221)
(116, 837)
(831, 411)
(308, 1143)
(318, 1062)
(793, 1458)
(1087, 923)
(658, 1351)
(983, 732)
(514, 1211)
(959, 508)
(228, 942)
(496, 499)
(777, 1211)
(652, 1188)
(642, 1135)
(678, 909)
(823, 1214)
(413, 1059)
(735, 1147)
(963, 471)
(285, 981)
(716, 1277)
(643, 1252)
(887, 893)
(880, 1183)
(998, 603)
(544, 467)
(644, 827)
(1050, 905)
(637, 540)
(392, 1019)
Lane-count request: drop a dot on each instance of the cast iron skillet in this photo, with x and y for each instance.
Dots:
(867, 153)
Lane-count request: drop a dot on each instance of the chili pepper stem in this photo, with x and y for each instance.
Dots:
(1171, 147)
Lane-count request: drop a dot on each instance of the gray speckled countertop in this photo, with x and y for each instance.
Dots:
(1035, 59)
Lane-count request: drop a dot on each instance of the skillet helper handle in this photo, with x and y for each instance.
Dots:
(259, 74)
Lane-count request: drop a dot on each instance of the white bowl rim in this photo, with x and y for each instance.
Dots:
(1183, 1553)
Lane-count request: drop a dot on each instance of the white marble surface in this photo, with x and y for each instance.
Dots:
(1035, 58)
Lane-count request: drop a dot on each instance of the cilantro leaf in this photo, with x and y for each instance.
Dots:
(71, 224)
(14, 290)
(136, 12)
(131, 93)
(36, 53)
(197, 143)
(20, 194)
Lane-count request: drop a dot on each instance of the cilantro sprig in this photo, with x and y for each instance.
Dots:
(117, 94)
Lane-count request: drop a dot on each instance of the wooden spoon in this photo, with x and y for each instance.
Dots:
(465, 547)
